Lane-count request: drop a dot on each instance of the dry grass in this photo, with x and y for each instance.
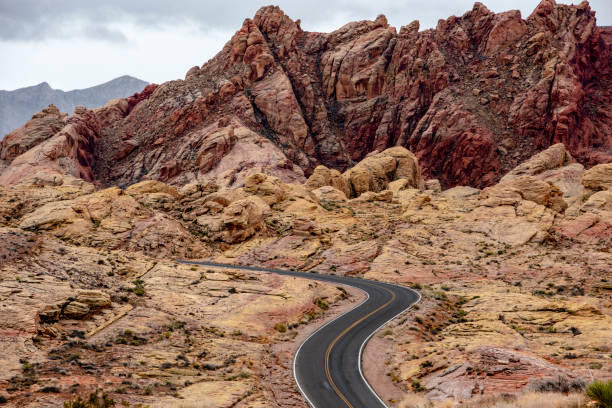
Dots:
(527, 400)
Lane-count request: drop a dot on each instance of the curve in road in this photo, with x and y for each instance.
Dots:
(327, 366)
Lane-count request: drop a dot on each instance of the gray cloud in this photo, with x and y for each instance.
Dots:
(33, 20)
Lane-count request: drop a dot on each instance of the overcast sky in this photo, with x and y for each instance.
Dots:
(80, 43)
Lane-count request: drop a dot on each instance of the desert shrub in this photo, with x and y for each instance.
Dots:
(560, 383)
(281, 328)
(322, 304)
(94, 401)
(601, 393)
(529, 400)
(416, 386)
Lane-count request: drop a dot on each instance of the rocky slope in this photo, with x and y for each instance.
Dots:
(17, 106)
(471, 99)
(514, 277)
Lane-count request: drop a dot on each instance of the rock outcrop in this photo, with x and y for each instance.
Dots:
(472, 99)
(69, 151)
(41, 127)
(511, 280)
(598, 177)
(373, 174)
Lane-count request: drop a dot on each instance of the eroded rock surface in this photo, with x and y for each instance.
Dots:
(472, 99)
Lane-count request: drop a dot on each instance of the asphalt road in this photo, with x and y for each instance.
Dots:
(327, 366)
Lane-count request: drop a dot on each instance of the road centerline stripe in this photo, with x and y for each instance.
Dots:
(333, 343)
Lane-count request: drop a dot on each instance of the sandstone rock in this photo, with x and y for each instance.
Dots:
(305, 227)
(196, 190)
(587, 228)
(567, 179)
(507, 28)
(69, 151)
(366, 196)
(329, 194)
(598, 177)
(151, 186)
(375, 172)
(251, 153)
(95, 299)
(41, 127)
(280, 100)
(554, 157)
(523, 188)
(601, 200)
(385, 195)
(398, 185)
(433, 185)
(241, 220)
(49, 216)
(215, 146)
(529, 222)
(461, 192)
(217, 201)
(269, 189)
(49, 314)
(322, 176)
(76, 310)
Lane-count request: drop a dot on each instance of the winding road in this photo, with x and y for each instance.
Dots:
(327, 366)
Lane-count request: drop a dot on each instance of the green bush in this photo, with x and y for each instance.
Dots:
(417, 387)
(322, 304)
(601, 393)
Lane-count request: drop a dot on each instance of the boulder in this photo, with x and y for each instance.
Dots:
(461, 193)
(152, 186)
(376, 171)
(49, 314)
(433, 185)
(329, 194)
(600, 201)
(95, 299)
(268, 188)
(554, 157)
(598, 177)
(241, 220)
(398, 185)
(322, 176)
(512, 191)
(76, 310)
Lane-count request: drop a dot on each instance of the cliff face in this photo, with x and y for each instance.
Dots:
(471, 98)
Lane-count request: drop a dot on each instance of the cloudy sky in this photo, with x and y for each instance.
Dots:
(80, 43)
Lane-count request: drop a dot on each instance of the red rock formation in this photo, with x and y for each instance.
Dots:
(41, 127)
(471, 98)
(70, 151)
(139, 97)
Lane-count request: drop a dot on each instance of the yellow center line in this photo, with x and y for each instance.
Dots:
(331, 345)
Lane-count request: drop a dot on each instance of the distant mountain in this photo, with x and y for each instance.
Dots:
(18, 106)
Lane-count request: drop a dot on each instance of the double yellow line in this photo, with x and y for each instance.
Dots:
(333, 343)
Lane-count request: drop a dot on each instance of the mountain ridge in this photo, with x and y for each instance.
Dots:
(18, 105)
(471, 98)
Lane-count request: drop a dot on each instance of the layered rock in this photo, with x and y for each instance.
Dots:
(41, 127)
(510, 281)
(372, 174)
(70, 151)
(471, 98)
